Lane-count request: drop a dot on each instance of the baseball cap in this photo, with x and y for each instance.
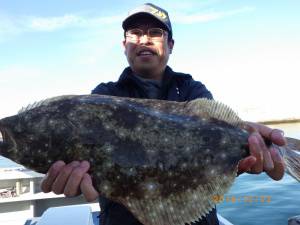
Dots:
(151, 10)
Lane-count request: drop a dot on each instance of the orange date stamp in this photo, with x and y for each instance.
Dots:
(241, 199)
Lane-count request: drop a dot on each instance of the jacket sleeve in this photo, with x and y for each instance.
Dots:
(197, 90)
(103, 89)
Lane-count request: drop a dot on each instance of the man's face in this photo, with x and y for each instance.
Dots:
(146, 56)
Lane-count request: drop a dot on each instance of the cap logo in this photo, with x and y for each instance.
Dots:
(158, 13)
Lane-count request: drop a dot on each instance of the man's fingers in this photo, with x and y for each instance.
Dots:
(246, 164)
(259, 149)
(87, 188)
(267, 159)
(48, 180)
(277, 137)
(268, 162)
(279, 167)
(254, 146)
(63, 176)
(274, 135)
(72, 187)
(260, 128)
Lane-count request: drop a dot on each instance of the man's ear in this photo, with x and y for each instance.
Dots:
(171, 45)
(124, 46)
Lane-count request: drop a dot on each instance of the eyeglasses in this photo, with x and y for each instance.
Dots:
(153, 33)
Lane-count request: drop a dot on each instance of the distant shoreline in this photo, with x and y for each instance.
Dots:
(272, 122)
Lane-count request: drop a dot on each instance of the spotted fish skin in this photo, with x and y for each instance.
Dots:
(142, 152)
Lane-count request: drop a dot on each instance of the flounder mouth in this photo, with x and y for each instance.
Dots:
(4, 143)
(1, 136)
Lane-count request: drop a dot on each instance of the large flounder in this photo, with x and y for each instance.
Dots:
(165, 161)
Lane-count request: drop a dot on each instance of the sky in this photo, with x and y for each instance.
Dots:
(246, 52)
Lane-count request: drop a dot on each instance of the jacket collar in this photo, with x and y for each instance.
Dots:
(127, 75)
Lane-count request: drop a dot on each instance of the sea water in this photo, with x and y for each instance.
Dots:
(7, 163)
(257, 199)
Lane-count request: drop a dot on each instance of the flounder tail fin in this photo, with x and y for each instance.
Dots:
(293, 144)
(291, 156)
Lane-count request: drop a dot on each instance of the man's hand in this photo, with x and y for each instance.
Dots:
(70, 179)
(261, 157)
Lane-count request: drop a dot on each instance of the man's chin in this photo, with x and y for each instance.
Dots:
(146, 68)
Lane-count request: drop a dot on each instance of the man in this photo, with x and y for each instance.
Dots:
(148, 42)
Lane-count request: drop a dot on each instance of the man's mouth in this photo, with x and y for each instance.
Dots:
(145, 53)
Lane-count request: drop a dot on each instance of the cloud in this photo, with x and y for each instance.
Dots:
(10, 26)
(192, 18)
(66, 21)
(52, 23)
(16, 25)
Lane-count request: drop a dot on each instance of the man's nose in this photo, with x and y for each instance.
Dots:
(144, 38)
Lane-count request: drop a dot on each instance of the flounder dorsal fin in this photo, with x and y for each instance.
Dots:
(43, 102)
(200, 107)
(211, 109)
(181, 208)
(30, 106)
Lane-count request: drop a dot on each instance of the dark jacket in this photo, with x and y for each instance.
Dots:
(175, 87)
